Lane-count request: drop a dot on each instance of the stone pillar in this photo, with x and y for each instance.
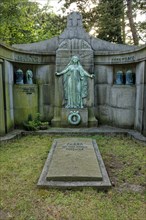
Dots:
(2, 114)
(144, 113)
(45, 80)
(139, 109)
(8, 91)
(103, 85)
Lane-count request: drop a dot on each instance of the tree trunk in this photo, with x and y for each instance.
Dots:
(131, 22)
(123, 26)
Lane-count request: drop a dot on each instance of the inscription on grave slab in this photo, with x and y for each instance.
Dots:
(74, 159)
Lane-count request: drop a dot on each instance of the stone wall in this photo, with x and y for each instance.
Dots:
(25, 103)
(114, 104)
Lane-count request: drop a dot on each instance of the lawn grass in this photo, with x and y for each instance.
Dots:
(22, 161)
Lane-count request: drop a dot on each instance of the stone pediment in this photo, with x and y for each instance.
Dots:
(74, 32)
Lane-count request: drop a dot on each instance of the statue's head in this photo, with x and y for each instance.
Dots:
(19, 72)
(75, 59)
(29, 73)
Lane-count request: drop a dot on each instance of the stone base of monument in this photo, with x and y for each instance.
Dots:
(74, 117)
(74, 163)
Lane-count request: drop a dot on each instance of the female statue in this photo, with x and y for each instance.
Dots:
(75, 83)
(29, 76)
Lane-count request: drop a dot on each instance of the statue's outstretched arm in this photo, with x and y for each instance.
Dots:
(86, 73)
(62, 72)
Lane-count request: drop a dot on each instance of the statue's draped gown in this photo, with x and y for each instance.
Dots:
(75, 86)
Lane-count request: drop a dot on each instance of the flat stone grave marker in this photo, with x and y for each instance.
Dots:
(74, 162)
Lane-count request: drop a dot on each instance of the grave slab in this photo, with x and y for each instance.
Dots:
(74, 162)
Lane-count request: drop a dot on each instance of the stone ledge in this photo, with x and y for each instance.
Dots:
(101, 130)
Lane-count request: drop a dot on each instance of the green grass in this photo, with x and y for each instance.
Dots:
(22, 161)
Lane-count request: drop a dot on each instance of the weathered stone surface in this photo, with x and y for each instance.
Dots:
(122, 96)
(103, 113)
(74, 162)
(25, 102)
(9, 109)
(45, 74)
(123, 117)
(101, 73)
(101, 45)
(139, 97)
(139, 107)
(48, 111)
(138, 120)
(43, 46)
(2, 117)
(110, 75)
(100, 94)
(83, 114)
(140, 68)
(144, 115)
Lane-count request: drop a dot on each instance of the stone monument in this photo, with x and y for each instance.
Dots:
(111, 97)
(75, 90)
(73, 163)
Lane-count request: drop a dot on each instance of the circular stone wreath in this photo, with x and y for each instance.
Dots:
(74, 118)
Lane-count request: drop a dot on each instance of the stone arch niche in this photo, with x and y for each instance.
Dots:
(66, 50)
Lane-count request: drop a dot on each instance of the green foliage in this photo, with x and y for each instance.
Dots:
(22, 21)
(22, 161)
(17, 21)
(109, 19)
(37, 119)
(139, 7)
(36, 124)
(105, 17)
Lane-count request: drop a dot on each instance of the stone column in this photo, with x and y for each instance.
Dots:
(45, 79)
(103, 85)
(8, 91)
(2, 114)
(139, 109)
(144, 113)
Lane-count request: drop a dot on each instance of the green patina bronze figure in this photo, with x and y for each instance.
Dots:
(75, 83)
(29, 76)
(129, 77)
(19, 77)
